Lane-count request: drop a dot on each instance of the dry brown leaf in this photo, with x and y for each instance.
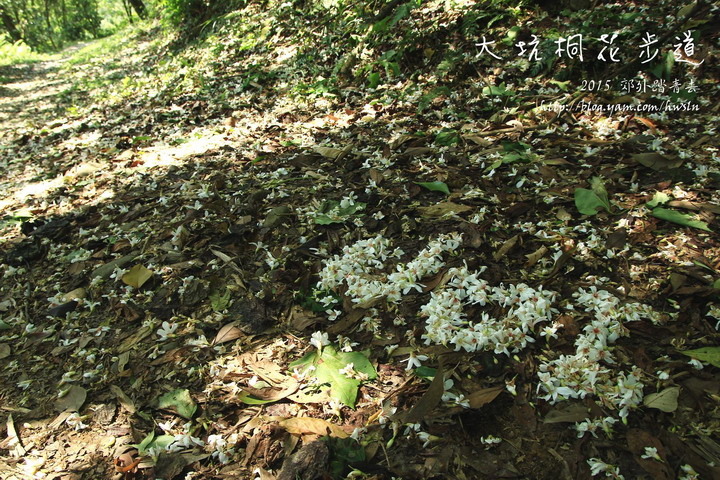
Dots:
(637, 441)
(534, 257)
(301, 318)
(322, 396)
(648, 123)
(483, 397)
(556, 161)
(567, 413)
(137, 276)
(269, 371)
(77, 294)
(274, 394)
(124, 400)
(173, 355)
(14, 444)
(227, 333)
(443, 208)
(430, 399)
(402, 139)
(376, 176)
(477, 140)
(656, 161)
(506, 247)
(695, 206)
(418, 151)
(72, 400)
(327, 152)
(317, 426)
(135, 338)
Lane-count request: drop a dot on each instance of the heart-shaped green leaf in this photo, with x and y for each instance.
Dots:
(327, 371)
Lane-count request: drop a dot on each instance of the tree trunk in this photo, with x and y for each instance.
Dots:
(139, 8)
(128, 11)
(9, 23)
(50, 32)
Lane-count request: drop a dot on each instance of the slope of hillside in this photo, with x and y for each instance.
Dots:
(322, 240)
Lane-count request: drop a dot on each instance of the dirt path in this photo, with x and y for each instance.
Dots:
(28, 97)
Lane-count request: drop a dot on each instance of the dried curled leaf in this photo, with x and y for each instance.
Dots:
(317, 426)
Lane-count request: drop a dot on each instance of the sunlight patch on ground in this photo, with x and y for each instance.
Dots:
(198, 142)
(36, 189)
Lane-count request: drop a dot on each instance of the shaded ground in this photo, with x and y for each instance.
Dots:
(168, 221)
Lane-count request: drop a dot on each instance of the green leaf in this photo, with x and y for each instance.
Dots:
(352, 209)
(447, 137)
(561, 85)
(426, 99)
(494, 166)
(519, 147)
(331, 212)
(161, 442)
(145, 444)
(598, 188)
(374, 80)
(679, 218)
(141, 139)
(248, 399)
(588, 203)
(327, 371)
(500, 90)
(425, 372)
(343, 452)
(710, 355)
(435, 186)
(659, 198)
(180, 401)
(219, 302)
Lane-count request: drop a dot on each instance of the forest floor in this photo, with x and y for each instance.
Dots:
(216, 263)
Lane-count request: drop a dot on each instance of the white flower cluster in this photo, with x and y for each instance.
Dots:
(583, 374)
(359, 265)
(447, 323)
